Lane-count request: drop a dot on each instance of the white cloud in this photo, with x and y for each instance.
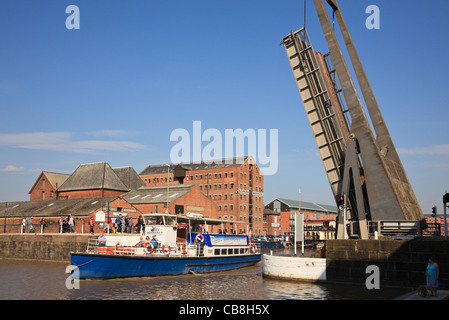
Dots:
(39, 170)
(442, 149)
(66, 142)
(11, 168)
(113, 133)
(23, 140)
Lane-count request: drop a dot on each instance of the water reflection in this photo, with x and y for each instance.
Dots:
(30, 280)
(241, 284)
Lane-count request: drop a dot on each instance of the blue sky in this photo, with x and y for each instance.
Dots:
(115, 89)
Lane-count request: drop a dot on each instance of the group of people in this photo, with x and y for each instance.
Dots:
(122, 224)
(142, 242)
(67, 225)
(25, 222)
(64, 225)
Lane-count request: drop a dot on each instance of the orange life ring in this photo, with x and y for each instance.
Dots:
(166, 252)
(146, 247)
(254, 248)
(199, 238)
(184, 247)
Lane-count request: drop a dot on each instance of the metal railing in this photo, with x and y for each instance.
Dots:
(394, 228)
(93, 246)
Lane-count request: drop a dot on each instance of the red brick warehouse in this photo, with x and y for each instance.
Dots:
(234, 185)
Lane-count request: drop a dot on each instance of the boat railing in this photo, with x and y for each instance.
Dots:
(180, 249)
(92, 245)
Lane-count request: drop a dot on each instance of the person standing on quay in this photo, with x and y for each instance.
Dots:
(125, 228)
(91, 225)
(130, 225)
(30, 223)
(71, 224)
(43, 225)
(101, 240)
(140, 225)
(432, 274)
(118, 223)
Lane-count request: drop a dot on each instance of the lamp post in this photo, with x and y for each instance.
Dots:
(6, 211)
(108, 208)
(445, 202)
(168, 187)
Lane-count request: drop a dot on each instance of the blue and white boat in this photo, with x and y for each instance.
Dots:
(184, 246)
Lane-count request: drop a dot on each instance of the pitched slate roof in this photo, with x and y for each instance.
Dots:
(55, 208)
(129, 177)
(90, 176)
(56, 179)
(212, 164)
(157, 194)
(308, 205)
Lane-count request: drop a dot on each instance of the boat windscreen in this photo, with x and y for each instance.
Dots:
(155, 220)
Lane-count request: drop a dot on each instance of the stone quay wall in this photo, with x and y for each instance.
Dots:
(400, 262)
(54, 247)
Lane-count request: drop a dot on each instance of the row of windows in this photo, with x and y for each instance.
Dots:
(200, 177)
(157, 180)
(212, 176)
(206, 176)
(231, 251)
(225, 187)
(242, 208)
(219, 196)
(219, 175)
(225, 196)
(216, 186)
(241, 218)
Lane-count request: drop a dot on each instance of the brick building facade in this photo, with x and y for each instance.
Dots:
(317, 217)
(435, 227)
(271, 222)
(181, 199)
(234, 185)
(46, 185)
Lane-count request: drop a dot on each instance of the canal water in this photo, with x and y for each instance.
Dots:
(38, 280)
